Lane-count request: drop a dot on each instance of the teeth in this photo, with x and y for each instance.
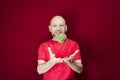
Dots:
(58, 32)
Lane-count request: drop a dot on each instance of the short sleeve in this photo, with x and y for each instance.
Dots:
(78, 55)
(42, 53)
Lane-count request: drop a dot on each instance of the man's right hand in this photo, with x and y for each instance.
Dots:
(53, 59)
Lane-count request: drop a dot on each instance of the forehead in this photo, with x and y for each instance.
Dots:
(57, 20)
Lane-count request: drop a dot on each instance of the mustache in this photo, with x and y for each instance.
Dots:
(58, 31)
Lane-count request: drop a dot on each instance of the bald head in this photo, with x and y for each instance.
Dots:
(57, 25)
(57, 19)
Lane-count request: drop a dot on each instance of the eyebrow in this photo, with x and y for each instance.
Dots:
(56, 24)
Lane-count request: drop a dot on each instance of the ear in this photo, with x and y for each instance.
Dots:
(49, 28)
(66, 28)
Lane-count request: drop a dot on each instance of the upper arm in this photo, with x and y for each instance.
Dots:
(42, 54)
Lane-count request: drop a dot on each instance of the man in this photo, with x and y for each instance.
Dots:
(59, 57)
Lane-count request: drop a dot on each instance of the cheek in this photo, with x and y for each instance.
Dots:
(63, 29)
(52, 30)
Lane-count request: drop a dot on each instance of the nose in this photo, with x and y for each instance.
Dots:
(58, 28)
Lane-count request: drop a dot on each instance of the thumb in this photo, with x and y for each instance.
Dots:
(50, 53)
(49, 50)
(74, 54)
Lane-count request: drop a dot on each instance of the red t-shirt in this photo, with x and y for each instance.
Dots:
(61, 71)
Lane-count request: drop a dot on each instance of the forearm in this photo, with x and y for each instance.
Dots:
(77, 67)
(42, 68)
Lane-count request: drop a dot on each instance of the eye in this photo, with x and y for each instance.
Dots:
(54, 25)
(61, 25)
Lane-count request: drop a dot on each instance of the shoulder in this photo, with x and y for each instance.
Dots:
(72, 41)
(73, 44)
(44, 44)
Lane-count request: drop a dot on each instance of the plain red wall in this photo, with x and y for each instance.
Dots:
(94, 24)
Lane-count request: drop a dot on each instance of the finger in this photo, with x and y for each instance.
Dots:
(50, 52)
(70, 58)
(74, 54)
(53, 55)
(65, 59)
(59, 60)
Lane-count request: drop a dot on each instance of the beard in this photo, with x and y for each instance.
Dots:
(56, 33)
(61, 37)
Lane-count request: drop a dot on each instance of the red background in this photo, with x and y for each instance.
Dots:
(94, 24)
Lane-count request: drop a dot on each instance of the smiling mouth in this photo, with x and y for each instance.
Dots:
(58, 32)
